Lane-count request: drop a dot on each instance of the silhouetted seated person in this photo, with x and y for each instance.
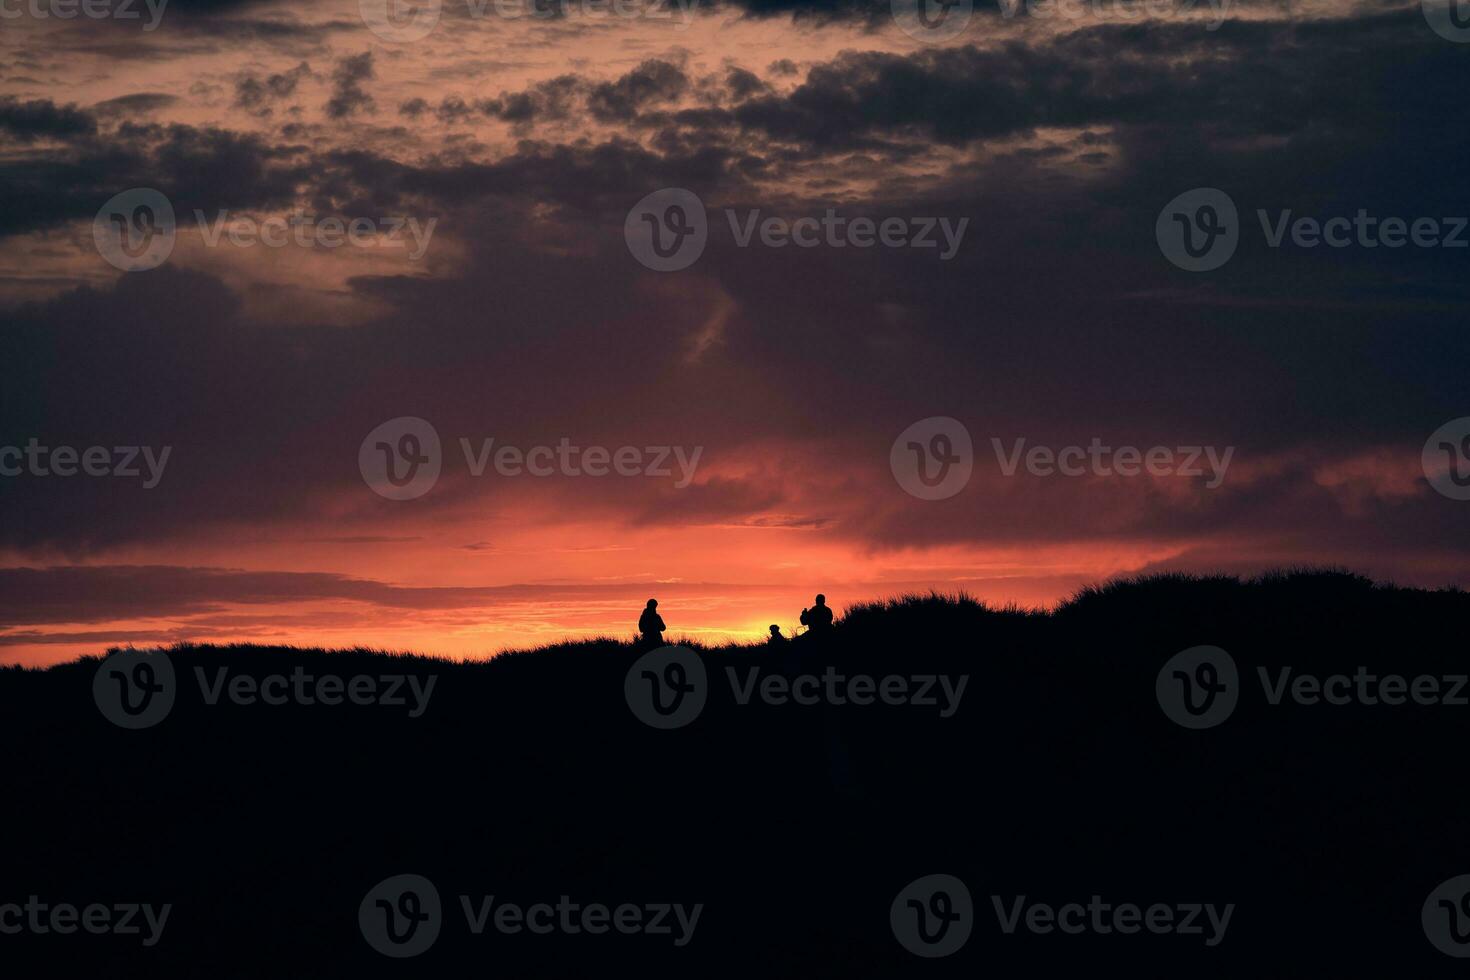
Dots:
(775, 639)
(651, 625)
(818, 619)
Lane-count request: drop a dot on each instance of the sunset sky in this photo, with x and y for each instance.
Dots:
(528, 318)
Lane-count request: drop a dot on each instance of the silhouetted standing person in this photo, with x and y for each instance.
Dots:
(817, 619)
(651, 625)
(818, 623)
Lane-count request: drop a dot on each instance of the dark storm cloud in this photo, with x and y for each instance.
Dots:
(105, 638)
(620, 101)
(595, 178)
(141, 102)
(183, 34)
(552, 100)
(206, 8)
(877, 13)
(1058, 320)
(348, 95)
(288, 35)
(743, 84)
(548, 101)
(814, 10)
(43, 119)
(453, 109)
(94, 594)
(101, 593)
(196, 168)
(651, 82)
(255, 93)
(1261, 78)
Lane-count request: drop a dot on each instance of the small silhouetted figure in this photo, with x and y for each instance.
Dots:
(775, 639)
(651, 625)
(817, 619)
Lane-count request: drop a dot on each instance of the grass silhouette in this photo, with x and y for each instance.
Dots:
(529, 777)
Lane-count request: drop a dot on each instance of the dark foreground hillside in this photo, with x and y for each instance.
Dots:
(1307, 838)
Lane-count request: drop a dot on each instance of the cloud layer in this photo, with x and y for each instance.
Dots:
(528, 320)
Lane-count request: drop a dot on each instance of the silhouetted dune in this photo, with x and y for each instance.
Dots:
(1048, 765)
